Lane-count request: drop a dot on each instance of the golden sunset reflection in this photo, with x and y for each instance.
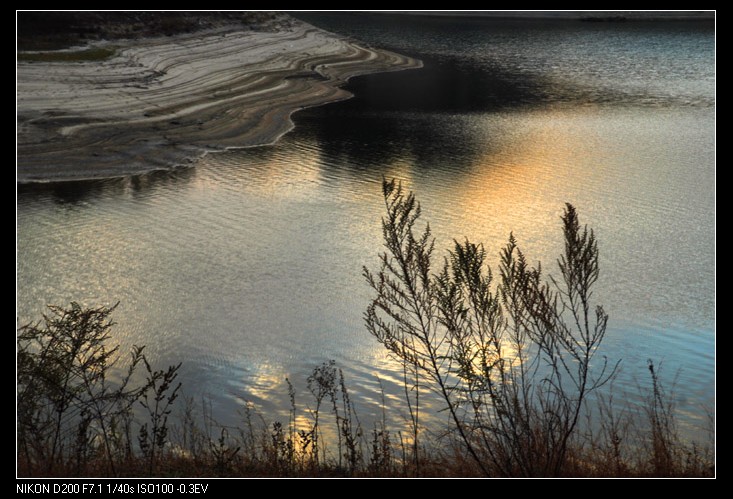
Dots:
(251, 267)
(522, 187)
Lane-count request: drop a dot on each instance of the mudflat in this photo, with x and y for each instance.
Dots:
(156, 102)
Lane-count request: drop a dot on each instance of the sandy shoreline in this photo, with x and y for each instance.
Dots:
(161, 102)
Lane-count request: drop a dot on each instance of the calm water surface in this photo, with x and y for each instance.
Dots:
(247, 267)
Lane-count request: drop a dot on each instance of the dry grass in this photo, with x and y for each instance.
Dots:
(72, 421)
(627, 446)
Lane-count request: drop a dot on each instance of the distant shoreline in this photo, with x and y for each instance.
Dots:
(585, 15)
(159, 102)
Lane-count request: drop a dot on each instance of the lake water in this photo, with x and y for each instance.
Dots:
(247, 266)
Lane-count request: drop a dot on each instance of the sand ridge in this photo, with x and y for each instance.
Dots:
(161, 102)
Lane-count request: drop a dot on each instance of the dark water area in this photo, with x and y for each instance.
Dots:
(247, 266)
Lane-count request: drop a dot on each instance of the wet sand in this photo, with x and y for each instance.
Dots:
(163, 102)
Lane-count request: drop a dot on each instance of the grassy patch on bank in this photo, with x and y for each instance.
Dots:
(39, 30)
(93, 54)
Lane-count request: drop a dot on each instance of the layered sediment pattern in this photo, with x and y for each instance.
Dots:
(165, 101)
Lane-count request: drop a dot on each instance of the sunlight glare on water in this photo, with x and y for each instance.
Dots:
(247, 267)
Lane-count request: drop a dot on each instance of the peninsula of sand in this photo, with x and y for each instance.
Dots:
(159, 102)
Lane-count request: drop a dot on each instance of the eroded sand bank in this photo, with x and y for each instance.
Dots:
(165, 101)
